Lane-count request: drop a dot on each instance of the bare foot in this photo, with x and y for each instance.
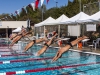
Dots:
(85, 37)
(45, 38)
(55, 35)
(34, 38)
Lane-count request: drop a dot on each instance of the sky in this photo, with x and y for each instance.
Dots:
(10, 6)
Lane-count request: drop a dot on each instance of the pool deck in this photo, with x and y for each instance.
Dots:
(97, 50)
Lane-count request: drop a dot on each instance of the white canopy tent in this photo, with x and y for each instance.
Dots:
(17, 30)
(48, 20)
(40, 24)
(96, 16)
(62, 18)
(74, 19)
(45, 22)
(93, 18)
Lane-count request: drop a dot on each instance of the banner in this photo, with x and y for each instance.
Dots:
(42, 2)
(47, 1)
(91, 27)
(74, 30)
(36, 3)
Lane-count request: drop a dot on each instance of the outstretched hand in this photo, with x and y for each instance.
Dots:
(58, 55)
(60, 52)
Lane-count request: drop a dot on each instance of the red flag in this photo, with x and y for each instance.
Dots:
(36, 3)
(47, 1)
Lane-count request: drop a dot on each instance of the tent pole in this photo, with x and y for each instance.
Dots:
(44, 31)
(59, 31)
(77, 36)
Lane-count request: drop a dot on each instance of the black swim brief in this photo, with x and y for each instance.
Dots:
(52, 41)
(70, 44)
(46, 44)
(34, 41)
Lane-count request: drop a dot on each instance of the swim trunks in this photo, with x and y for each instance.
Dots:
(70, 44)
(46, 44)
(34, 41)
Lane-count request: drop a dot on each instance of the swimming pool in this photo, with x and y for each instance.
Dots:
(71, 63)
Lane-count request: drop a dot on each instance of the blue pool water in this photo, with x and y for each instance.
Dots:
(71, 63)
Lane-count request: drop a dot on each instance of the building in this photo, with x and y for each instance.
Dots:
(6, 27)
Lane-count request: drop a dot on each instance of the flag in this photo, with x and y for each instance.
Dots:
(24, 9)
(10, 15)
(36, 3)
(14, 15)
(30, 6)
(17, 12)
(47, 1)
(42, 2)
(33, 6)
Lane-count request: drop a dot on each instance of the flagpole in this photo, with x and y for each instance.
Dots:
(42, 12)
(8, 36)
(99, 4)
(56, 4)
(42, 20)
(80, 5)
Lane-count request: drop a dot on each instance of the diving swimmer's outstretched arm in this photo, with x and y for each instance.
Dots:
(31, 43)
(46, 45)
(67, 47)
(17, 38)
(15, 35)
